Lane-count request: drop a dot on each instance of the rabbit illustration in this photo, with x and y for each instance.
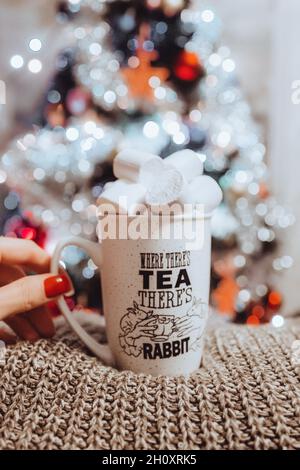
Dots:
(137, 325)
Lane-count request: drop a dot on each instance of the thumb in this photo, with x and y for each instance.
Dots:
(30, 292)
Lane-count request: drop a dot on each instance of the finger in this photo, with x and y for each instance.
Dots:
(25, 253)
(9, 274)
(7, 337)
(21, 326)
(41, 320)
(30, 292)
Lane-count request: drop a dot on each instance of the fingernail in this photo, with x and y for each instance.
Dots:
(57, 285)
(63, 271)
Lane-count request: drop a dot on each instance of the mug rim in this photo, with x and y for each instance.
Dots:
(188, 216)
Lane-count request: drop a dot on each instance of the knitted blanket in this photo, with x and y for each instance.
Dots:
(54, 395)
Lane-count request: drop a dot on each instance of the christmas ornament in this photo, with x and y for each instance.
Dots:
(224, 295)
(141, 73)
(24, 226)
(188, 67)
(128, 44)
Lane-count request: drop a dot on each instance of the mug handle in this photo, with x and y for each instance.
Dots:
(94, 250)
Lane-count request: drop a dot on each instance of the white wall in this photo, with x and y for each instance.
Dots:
(246, 30)
(284, 132)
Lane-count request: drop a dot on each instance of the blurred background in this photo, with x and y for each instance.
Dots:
(216, 77)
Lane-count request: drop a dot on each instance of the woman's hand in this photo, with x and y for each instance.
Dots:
(22, 297)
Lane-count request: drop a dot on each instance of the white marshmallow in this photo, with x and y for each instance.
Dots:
(128, 163)
(149, 172)
(124, 196)
(202, 190)
(187, 162)
(164, 183)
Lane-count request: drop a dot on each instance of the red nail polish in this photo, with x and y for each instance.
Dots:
(57, 285)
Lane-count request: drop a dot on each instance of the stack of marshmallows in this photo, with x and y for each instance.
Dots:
(146, 180)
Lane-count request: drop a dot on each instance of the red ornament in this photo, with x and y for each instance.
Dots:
(28, 233)
(24, 226)
(188, 67)
(258, 311)
(274, 300)
(253, 320)
(54, 309)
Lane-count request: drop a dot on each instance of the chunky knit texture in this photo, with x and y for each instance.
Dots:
(246, 395)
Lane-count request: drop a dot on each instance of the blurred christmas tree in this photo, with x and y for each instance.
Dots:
(151, 74)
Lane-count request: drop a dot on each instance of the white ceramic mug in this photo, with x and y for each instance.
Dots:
(155, 299)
